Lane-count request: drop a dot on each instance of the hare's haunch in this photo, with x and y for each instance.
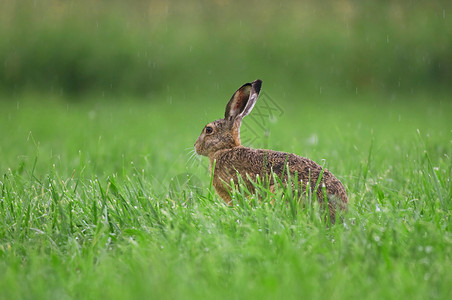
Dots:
(220, 141)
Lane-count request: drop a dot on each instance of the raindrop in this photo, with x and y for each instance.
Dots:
(313, 139)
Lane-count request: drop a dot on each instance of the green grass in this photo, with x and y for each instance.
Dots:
(94, 197)
(88, 207)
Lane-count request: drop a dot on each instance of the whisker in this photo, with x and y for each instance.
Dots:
(195, 160)
(193, 157)
(190, 153)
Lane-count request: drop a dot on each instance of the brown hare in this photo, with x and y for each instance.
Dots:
(220, 142)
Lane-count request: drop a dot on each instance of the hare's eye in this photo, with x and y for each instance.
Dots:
(209, 130)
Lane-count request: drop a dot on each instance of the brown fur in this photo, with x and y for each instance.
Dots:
(223, 147)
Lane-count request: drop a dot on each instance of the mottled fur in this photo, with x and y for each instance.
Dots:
(220, 141)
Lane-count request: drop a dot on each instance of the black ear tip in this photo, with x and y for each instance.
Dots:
(257, 84)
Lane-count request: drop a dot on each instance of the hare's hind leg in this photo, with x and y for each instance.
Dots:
(336, 207)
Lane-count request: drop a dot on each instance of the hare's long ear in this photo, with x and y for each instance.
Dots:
(243, 100)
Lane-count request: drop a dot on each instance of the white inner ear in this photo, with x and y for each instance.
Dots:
(234, 112)
(249, 105)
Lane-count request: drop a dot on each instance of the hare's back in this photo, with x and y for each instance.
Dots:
(251, 162)
(306, 170)
(260, 161)
(282, 163)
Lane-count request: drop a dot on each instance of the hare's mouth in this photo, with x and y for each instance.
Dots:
(198, 148)
(197, 151)
(200, 152)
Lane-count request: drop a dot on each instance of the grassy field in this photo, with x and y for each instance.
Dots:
(93, 202)
(102, 101)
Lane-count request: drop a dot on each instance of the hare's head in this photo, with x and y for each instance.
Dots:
(225, 133)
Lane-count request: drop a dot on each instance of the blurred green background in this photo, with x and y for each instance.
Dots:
(146, 49)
